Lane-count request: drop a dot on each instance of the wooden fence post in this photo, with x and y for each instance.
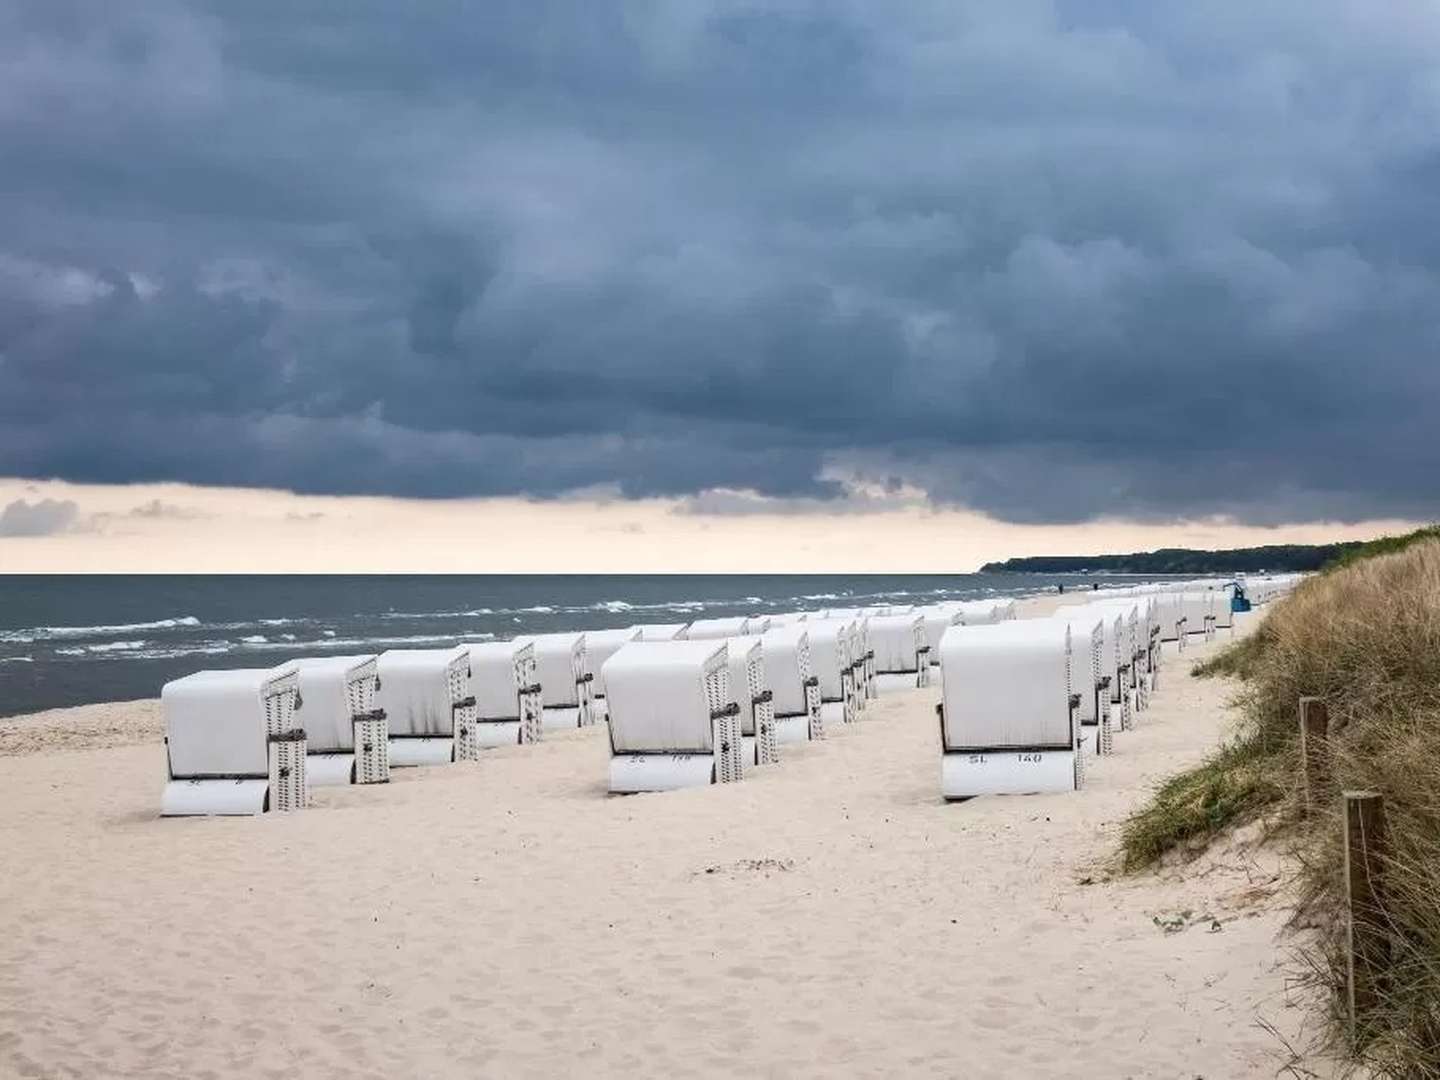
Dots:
(1314, 751)
(1368, 944)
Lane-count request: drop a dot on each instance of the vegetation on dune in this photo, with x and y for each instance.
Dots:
(1273, 557)
(1364, 636)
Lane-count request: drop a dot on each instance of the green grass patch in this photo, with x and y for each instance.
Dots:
(1229, 788)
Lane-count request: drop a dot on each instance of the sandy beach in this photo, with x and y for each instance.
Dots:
(831, 916)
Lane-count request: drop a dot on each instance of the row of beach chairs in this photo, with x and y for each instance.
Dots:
(685, 704)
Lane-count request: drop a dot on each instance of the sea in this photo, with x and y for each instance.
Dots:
(74, 640)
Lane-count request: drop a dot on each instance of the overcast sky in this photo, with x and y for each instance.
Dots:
(1044, 262)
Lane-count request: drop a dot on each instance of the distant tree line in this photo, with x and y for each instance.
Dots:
(1274, 557)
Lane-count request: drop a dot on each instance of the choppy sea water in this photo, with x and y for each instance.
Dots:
(76, 640)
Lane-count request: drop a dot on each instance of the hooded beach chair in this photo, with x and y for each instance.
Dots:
(793, 683)
(600, 645)
(902, 657)
(426, 697)
(1170, 611)
(937, 620)
(836, 670)
(750, 690)
(659, 631)
(233, 743)
(673, 720)
(347, 737)
(506, 685)
(717, 629)
(1008, 722)
(566, 680)
(1199, 612)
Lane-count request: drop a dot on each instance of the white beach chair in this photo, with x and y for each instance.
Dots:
(506, 685)
(659, 631)
(673, 722)
(1008, 721)
(717, 629)
(1198, 610)
(938, 619)
(566, 680)
(830, 703)
(1170, 610)
(233, 743)
(600, 645)
(902, 656)
(1224, 610)
(750, 690)
(347, 738)
(1094, 708)
(426, 696)
(794, 685)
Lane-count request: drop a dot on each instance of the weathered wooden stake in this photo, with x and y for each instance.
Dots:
(1314, 748)
(1368, 936)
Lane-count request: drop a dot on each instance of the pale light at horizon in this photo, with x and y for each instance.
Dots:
(176, 528)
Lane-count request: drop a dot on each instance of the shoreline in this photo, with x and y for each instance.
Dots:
(831, 914)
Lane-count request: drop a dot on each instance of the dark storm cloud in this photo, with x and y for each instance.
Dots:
(1055, 261)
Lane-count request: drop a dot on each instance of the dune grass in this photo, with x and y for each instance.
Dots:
(1365, 636)
(1233, 785)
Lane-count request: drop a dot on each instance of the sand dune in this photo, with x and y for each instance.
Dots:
(829, 917)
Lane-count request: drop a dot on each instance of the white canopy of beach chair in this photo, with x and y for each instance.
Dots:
(506, 684)
(832, 644)
(347, 738)
(716, 629)
(659, 631)
(790, 675)
(233, 742)
(566, 679)
(902, 657)
(427, 701)
(750, 690)
(673, 722)
(600, 645)
(1008, 720)
(938, 618)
